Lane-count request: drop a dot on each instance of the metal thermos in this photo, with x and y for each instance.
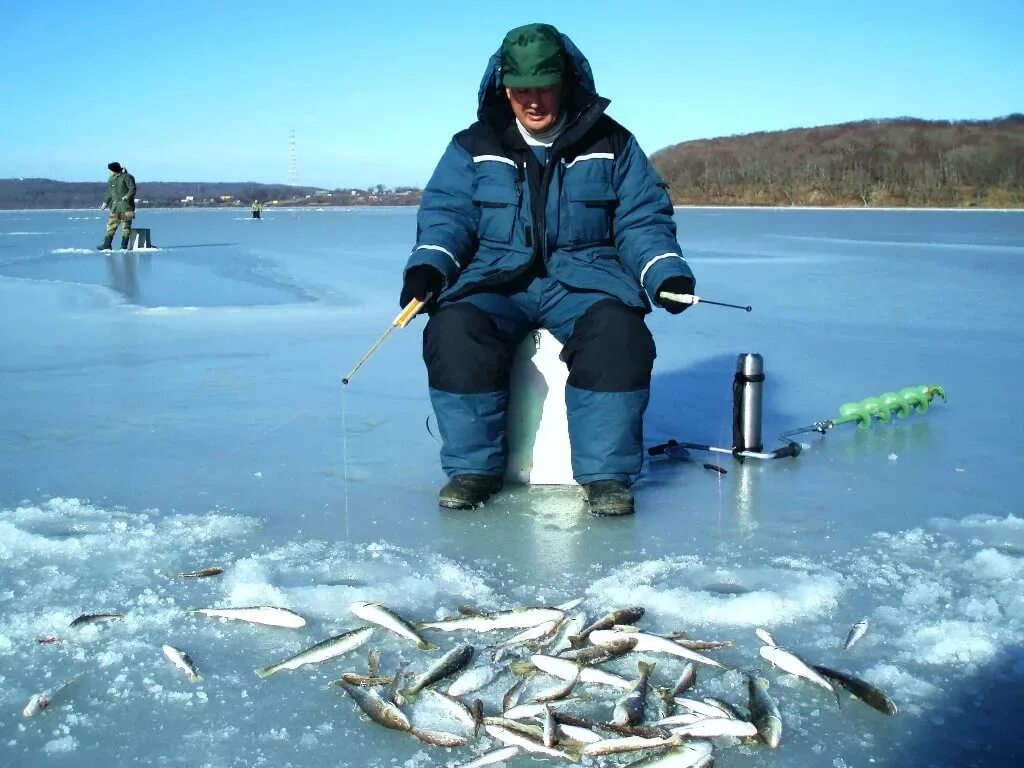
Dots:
(749, 387)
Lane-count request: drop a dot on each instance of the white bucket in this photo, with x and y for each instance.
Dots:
(538, 431)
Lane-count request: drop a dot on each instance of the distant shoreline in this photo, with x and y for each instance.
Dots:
(322, 209)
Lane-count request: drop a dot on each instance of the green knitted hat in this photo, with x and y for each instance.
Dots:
(532, 57)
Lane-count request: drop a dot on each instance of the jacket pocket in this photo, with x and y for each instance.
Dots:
(591, 211)
(498, 205)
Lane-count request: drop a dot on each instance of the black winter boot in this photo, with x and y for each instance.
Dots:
(124, 243)
(106, 243)
(609, 498)
(468, 491)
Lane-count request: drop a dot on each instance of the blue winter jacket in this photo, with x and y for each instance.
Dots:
(597, 214)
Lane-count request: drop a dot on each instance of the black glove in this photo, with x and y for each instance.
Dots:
(419, 281)
(676, 284)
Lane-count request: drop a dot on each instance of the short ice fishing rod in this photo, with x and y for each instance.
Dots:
(401, 320)
(689, 298)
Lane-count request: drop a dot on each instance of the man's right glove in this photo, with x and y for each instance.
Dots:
(677, 284)
(420, 281)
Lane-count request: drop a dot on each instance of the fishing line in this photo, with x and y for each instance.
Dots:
(344, 452)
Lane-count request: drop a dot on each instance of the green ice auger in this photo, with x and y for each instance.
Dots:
(882, 408)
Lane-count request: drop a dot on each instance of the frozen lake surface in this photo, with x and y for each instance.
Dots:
(179, 408)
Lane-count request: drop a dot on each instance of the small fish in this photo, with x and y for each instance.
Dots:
(47, 639)
(513, 738)
(766, 636)
(265, 615)
(453, 707)
(375, 613)
(40, 701)
(794, 665)
(90, 618)
(511, 697)
(373, 662)
(692, 754)
(518, 619)
(439, 738)
(628, 744)
(550, 728)
(202, 573)
(644, 731)
(457, 658)
(524, 711)
(575, 733)
(629, 710)
(557, 693)
(567, 670)
(181, 660)
(869, 694)
(598, 654)
(629, 615)
(666, 703)
(569, 628)
(692, 706)
(856, 633)
(393, 693)
(652, 644)
(474, 679)
(330, 648)
(702, 645)
(728, 710)
(764, 712)
(380, 711)
(716, 727)
(687, 679)
(366, 681)
(492, 757)
(539, 633)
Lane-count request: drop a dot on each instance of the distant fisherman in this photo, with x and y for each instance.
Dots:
(120, 200)
(257, 208)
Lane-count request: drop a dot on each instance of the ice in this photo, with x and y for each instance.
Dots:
(167, 411)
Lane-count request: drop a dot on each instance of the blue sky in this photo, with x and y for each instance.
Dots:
(188, 91)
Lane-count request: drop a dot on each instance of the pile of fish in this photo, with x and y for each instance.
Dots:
(555, 660)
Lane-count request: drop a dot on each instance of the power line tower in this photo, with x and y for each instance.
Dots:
(293, 161)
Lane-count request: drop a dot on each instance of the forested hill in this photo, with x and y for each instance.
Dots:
(896, 162)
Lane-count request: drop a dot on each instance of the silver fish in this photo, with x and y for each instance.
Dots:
(330, 648)
(91, 618)
(519, 619)
(511, 697)
(455, 708)
(687, 679)
(692, 706)
(181, 660)
(457, 658)
(550, 728)
(492, 757)
(40, 701)
(715, 727)
(375, 613)
(620, 616)
(728, 710)
(856, 633)
(576, 733)
(628, 744)
(265, 615)
(539, 633)
(567, 670)
(570, 627)
(439, 738)
(629, 710)
(643, 731)
(473, 679)
(765, 635)
(794, 665)
(866, 692)
(693, 754)
(381, 712)
(367, 681)
(764, 712)
(515, 738)
(653, 644)
(558, 693)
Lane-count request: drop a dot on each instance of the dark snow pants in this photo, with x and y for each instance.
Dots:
(469, 345)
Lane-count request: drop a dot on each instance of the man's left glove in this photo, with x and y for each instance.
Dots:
(420, 281)
(676, 284)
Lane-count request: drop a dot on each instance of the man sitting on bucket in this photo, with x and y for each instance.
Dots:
(543, 213)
